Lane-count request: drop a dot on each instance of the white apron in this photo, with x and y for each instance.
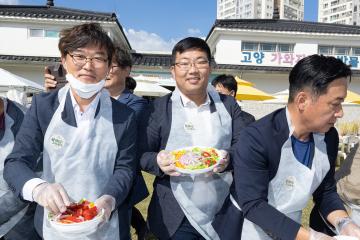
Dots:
(201, 196)
(294, 183)
(8, 201)
(82, 159)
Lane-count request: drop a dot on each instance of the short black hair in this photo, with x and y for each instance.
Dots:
(190, 43)
(130, 83)
(83, 35)
(228, 82)
(122, 57)
(316, 72)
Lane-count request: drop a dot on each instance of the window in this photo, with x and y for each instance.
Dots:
(36, 32)
(285, 48)
(268, 47)
(249, 46)
(356, 51)
(51, 33)
(325, 50)
(341, 50)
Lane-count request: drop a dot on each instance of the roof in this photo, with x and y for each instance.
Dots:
(51, 12)
(282, 25)
(54, 13)
(152, 60)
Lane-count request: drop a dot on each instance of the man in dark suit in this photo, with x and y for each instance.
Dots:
(289, 156)
(115, 83)
(183, 206)
(87, 138)
(227, 85)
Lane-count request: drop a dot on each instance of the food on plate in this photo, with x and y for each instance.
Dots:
(196, 158)
(77, 213)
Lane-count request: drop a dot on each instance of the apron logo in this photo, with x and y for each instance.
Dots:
(57, 141)
(290, 183)
(189, 126)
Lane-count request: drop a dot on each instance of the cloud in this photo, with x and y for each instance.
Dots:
(143, 41)
(9, 2)
(194, 31)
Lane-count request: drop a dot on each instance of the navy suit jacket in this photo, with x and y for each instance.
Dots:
(164, 213)
(140, 106)
(20, 164)
(16, 114)
(256, 161)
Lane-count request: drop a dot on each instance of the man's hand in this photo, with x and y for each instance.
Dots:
(50, 81)
(224, 162)
(314, 235)
(166, 162)
(51, 196)
(347, 227)
(107, 203)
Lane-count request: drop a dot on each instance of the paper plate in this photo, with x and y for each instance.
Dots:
(197, 171)
(74, 230)
(341, 237)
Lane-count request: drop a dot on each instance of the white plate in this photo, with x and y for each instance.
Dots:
(75, 230)
(197, 171)
(340, 237)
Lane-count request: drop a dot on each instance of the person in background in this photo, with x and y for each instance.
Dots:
(183, 207)
(116, 85)
(227, 85)
(130, 84)
(87, 138)
(12, 209)
(289, 155)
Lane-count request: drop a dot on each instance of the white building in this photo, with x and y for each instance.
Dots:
(247, 9)
(30, 35)
(264, 51)
(339, 11)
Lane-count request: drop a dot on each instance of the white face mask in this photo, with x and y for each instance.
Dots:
(84, 90)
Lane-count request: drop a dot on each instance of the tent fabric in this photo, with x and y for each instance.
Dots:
(150, 89)
(9, 80)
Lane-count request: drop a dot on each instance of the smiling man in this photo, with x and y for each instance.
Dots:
(288, 156)
(183, 206)
(87, 138)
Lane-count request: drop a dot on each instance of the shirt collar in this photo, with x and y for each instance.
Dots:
(187, 102)
(91, 108)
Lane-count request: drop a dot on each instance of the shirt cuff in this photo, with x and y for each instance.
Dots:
(29, 187)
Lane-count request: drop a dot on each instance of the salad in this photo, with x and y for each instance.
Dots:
(196, 158)
(77, 213)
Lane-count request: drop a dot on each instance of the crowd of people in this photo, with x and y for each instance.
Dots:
(93, 137)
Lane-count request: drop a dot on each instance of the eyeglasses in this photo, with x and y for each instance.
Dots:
(80, 60)
(113, 67)
(199, 64)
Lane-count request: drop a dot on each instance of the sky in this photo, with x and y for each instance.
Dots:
(156, 25)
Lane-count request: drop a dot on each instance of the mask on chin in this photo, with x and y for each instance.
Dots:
(84, 90)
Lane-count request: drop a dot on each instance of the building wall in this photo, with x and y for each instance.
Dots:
(336, 11)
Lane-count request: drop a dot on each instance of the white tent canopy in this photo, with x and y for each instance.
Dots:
(150, 89)
(9, 80)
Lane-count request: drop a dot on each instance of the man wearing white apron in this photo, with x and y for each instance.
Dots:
(87, 139)
(183, 207)
(12, 209)
(289, 156)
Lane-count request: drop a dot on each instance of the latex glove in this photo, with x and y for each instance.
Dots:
(50, 81)
(51, 196)
(348, 228)
(314, 235)
(224, 162)
(107, 203)
(166, 163)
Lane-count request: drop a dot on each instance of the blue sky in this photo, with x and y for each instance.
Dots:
(157, 24)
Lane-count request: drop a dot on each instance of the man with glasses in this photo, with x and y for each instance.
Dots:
(116, 85)
(184, 206)
(87, 138)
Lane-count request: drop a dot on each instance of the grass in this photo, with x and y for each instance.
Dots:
(142, 206)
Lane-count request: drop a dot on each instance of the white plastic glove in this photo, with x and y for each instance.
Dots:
(166, 163)
(314, 235)
(51, 196)
(224, 161)
(347, 227)
(107, 203)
